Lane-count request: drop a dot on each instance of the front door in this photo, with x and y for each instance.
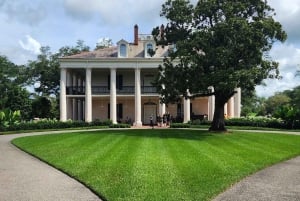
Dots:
(149, 110)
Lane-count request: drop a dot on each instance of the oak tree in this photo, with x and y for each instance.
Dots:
(220, 44)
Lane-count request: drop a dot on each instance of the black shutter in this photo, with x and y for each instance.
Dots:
(120, 111)
(119, 82)
(108, 82)
(108, 111)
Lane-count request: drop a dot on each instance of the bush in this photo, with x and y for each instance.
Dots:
(179, 125)
(53, 124)
(120, 126)
(200, 122)
(256, 122)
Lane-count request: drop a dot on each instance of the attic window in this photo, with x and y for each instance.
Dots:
(148, 49)
(123, 50)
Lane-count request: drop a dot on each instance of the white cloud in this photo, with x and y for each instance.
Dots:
(288, 82)
(31, 45)
(288, 14)
(288, 57)
(23, 11)
(114, 12)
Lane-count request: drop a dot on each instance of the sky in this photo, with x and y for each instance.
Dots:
(28, 25)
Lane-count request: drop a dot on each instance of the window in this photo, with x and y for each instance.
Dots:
(179, 110)
(119, 82)
(123, 50)
(149, 50)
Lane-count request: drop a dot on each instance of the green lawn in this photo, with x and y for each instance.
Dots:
(162, 164)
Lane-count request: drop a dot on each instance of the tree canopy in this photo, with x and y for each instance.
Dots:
(219, 44)
(13, 96)
(45, 70)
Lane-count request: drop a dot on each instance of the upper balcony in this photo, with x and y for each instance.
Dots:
(105, 90)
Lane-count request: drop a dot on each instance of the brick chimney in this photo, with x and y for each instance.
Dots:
(136, 34)
(162, 31)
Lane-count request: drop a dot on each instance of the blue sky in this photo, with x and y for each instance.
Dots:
(28, 25)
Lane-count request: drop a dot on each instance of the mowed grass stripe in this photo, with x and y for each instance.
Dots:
(193, 166)
(161, 164)
(112, 168)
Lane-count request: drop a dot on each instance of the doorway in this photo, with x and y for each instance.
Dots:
(150, 108)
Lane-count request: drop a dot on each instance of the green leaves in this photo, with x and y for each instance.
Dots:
(223, 44)
(9, 118)
(45, 70)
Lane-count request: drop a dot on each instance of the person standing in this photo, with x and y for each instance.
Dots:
(151, 121)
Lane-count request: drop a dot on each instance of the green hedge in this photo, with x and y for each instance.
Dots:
(119, 126)
(264, 122)
(53, 124)
(180, 125)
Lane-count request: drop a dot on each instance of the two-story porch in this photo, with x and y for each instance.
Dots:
(116, 83)
(123, 94)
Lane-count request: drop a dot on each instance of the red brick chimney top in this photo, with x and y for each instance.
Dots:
(136, 34)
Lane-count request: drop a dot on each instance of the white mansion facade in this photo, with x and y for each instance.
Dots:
(115, 83)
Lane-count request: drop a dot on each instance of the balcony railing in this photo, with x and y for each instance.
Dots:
(126, 90)
(75, 90)
(105, 90)
(97, 90)
(148, 90)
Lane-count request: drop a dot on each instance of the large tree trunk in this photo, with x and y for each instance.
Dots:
(218, 123)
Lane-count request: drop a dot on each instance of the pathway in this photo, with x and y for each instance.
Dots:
(25, 178)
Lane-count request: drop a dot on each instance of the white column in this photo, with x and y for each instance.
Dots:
(211, 105)
(80, 101)
(237, 103)
(225, 111)
(230, 108)
(69, 100)
(138, 99)
(63, 97)
(162, 106)
(75, 104)
(162, 109)
(113, 96)
(187, 110)
(88, 95)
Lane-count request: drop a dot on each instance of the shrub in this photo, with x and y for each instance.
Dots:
(53, 124)
(9, 118)
(200, 122)
(179, 125)
(119, 126)
(256, 122)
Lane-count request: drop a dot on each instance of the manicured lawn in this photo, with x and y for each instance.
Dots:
(162, 164)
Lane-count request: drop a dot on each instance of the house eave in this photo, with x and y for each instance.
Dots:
(110, 62)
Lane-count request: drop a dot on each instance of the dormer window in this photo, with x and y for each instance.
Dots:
(148, 50)
(122, 49)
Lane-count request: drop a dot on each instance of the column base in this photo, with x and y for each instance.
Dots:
(138, 124)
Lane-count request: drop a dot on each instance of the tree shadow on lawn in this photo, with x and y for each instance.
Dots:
(161, 133)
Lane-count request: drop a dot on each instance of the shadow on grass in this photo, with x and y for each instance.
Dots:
(184, 134)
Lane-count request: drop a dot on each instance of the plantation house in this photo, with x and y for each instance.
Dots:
(115, 83)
